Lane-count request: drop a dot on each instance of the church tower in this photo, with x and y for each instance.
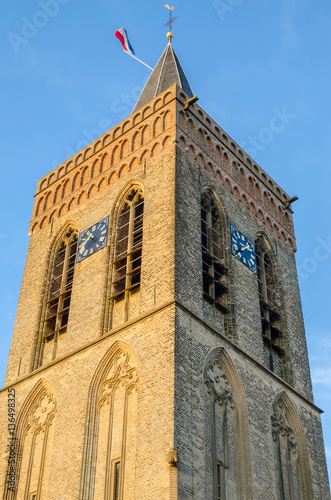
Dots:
(159, 348)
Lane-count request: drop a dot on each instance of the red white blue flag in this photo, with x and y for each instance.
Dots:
(121, 34)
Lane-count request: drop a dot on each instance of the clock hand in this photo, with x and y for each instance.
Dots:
(87, 239)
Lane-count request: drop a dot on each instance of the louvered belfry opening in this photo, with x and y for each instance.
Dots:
(214, 271)
(58, 304)
(127, 264)
(270, 315)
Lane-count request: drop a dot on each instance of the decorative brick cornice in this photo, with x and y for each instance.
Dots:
(146, 134)
(143, 135)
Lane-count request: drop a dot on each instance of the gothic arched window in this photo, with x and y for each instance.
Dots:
(272, 332)
(127, 264)
(215, 275)
(290, 452)
(110, 440)
(59, 296)
(33, 441)
(227, 442)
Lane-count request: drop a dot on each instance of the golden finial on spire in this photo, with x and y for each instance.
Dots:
(169, 23)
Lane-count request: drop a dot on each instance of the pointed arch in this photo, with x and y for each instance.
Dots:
(60, 172)
(126, 272)
(156, 149)
(143, 157)
(57, 296)
(242, 177)
(134, 163)
(226, 162)
(182, 142)
(79, 158)
(115, 155)
(116, 133)
(94, 168)
(38, 207)
(65, 188)
(218, 155)
(43, 222)
(126, 125)
(57, 194)
(51, 179)
(201, 138)
(104, 163)
(136, 118)
(136, 140)
(72, 204)
(113, 391)
(235, 170)
(191, 129)
(74, 184)
(102, 184)
(167, 120)
(146, 112)
(122, 170)
(157, 127)
(167, 97)
(43, 184)
(201, 160)
(124, 149)
(157, 104)
(97, 146)
(34, 437)
(145, 135)
(209, 147)
(84, 175)
(69, 166)
(228, 448)
(166, 141)
(191, 151)
(216, 262)
(251, 186)
(106, 140)
(182, 120)
(93, 190)
(87, 152)
(275, 348)
(48, 202)
(290, 450)
(54, 215)
(82, 197)
(258, 193)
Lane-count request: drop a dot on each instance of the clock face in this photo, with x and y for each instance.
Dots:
(243, 249)
(92, 239)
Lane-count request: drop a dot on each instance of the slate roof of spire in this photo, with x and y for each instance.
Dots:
(166, 73)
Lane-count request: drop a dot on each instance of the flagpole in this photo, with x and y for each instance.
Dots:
(134, 57)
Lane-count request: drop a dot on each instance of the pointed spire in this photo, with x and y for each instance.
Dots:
(166, 73)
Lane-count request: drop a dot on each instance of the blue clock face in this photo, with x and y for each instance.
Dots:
(243, 249)
(92, 239)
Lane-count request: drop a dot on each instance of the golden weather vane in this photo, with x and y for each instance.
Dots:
(171, 20)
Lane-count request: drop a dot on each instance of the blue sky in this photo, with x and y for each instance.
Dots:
(65, 81)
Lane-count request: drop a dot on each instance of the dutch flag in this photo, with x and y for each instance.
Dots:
(121, 34)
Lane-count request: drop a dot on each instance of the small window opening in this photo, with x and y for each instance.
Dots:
(116, 471)
(220, 481)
